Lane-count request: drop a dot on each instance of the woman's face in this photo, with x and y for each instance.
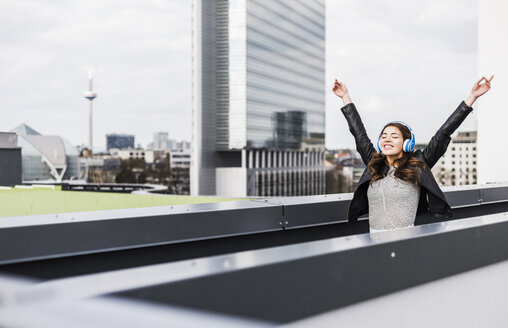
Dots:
(391, 141)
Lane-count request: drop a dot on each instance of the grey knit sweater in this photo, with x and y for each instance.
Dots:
(392, 203)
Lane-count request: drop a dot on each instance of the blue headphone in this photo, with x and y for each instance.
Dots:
(409, 144)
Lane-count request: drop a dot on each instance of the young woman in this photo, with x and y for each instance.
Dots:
(398, 183)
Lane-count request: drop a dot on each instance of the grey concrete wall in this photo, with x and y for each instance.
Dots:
(10, 166)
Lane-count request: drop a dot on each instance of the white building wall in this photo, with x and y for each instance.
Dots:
(458, 166)
(237, 74)
(124, 154)
(492, 113)
(231, 181)
(196, 98)
(180, 159)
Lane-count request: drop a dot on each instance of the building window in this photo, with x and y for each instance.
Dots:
(453, 155)
(453, 148)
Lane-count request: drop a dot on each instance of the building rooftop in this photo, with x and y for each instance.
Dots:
(47, 199)
(256, 263)
(24, 130)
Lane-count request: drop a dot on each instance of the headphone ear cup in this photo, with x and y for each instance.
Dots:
(406, 145)
(409, 145)
(379, 147)
(412, 144)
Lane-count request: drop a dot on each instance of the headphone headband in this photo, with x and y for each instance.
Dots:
(405, 124)
(409, 144)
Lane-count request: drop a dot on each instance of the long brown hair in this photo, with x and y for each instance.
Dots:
(406, 166)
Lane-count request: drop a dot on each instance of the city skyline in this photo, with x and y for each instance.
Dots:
(389, 55)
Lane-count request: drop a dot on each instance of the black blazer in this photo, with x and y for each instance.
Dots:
(432, 199)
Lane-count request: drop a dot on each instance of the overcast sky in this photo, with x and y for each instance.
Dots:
(401, 60)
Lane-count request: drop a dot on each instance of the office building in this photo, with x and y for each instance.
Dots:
(258, 98)
(119, 141)
(181, 146)
(180, 159)
(458, 166)
(148, 156)
(161, 141)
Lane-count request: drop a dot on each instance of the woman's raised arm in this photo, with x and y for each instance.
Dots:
(341, 91)
(439, 142)
(363, 144)
(479, 89)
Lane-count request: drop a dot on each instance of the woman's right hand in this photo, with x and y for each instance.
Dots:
(341, 91)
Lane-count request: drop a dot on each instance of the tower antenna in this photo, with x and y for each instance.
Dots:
(90, 95)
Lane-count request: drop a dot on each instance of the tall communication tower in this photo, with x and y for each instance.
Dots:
(90, 95)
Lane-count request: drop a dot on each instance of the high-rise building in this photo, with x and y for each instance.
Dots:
(161, 141)
(119, 141)
(181, 145)
(258, 98)
(458, 166)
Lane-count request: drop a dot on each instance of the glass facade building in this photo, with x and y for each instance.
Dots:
(119, 141)
(258, 97)
(46, 158)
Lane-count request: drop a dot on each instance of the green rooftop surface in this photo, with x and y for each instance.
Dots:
(44, 200)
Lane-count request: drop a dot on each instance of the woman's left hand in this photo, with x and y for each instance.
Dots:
(478, 90)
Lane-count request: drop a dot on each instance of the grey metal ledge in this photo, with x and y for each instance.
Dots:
(288, 283)
(47, 236)
(58, 235)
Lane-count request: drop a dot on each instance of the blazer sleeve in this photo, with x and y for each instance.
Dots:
(440, 141)
(363, 144)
